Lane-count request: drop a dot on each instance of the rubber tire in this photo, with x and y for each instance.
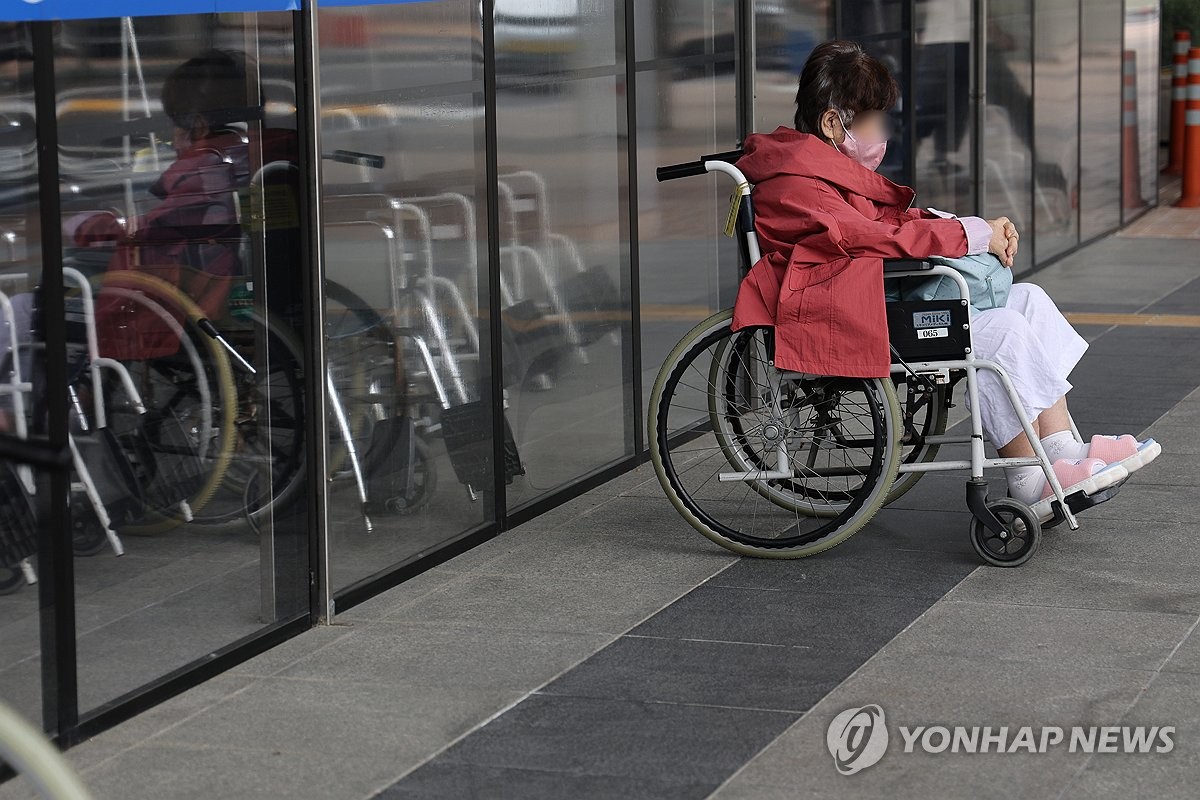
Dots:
(425, 492)
(907, 480)
(88, 537)
(891, 459)
(171, 298)
(979, 533)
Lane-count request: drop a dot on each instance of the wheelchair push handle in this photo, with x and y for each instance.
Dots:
(698, 167)
(356, 158)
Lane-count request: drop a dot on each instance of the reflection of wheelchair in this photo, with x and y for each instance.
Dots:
(779, 464)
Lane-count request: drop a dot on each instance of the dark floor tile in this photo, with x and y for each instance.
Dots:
(863, 565)
(786, 678)
(940, 527)
(665, 742)
(854, 624)
(1184, 300)
(439, 780)
(1138, 406)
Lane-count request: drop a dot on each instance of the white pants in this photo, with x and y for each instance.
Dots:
(1036, 346)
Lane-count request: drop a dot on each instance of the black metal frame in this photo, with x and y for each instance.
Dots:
(56, 588)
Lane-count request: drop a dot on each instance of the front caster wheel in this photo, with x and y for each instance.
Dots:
(1015, 543)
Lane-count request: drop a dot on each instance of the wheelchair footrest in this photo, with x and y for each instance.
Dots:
(1078, 501)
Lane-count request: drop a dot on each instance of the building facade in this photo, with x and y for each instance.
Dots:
(324, 297)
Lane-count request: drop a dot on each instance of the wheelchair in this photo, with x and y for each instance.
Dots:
(771, 463)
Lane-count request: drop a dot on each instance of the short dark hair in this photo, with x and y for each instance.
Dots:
(842, 75)
(212, 86)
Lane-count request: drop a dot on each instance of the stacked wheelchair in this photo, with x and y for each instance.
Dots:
(778, 464)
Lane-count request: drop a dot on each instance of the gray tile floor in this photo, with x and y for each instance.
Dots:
(606, 650)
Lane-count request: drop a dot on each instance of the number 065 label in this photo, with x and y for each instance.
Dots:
(932, 333)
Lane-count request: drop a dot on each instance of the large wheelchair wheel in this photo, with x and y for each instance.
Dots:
(180, 449)
(763, 465)
(923, 413)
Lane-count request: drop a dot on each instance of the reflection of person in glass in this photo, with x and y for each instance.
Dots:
(192, 237)
(943, 85)
(826, 219)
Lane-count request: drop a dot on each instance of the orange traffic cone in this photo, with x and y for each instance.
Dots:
(1191, 141)
(1179, 80)
(1131, 171)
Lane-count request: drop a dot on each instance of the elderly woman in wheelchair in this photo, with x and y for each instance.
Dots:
(824, 225)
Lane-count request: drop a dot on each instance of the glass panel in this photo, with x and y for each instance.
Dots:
(563, 266)
(942, 100)
(1100, 126)
(180, 205)
(541, 36)
(684, 28)
(879, 28)
(1008, 125)
(1056, 114)
(1141, 47)
(20, 654)
(373, 48)
(688, 269)
(409, 443)
(785, 34)
(868, 17)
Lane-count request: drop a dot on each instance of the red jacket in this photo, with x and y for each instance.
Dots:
(825, 223)
(191, 239)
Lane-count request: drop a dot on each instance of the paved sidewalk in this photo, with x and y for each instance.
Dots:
(606, 650)
(1101, 630)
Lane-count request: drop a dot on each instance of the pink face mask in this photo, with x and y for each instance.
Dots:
(869, 154)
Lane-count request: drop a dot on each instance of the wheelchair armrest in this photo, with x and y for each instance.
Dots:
(905, 265)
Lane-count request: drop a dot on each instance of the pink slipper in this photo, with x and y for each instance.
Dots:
(1087, 475)
(1124, 450)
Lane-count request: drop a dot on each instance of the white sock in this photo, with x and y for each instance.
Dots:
(1064, 445)
(1025, 484)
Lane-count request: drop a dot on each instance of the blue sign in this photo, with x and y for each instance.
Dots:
(347, 3)
(30, 10)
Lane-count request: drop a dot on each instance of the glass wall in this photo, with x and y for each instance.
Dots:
(179, 213)
(1068, 152)
(1008, 153)
(1056, 127)
(20, 247)
(942, 131)
(785, 33)
(562, 139)
(686, 94)
(1140, 112)
(1100, 117)
(405, 224)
